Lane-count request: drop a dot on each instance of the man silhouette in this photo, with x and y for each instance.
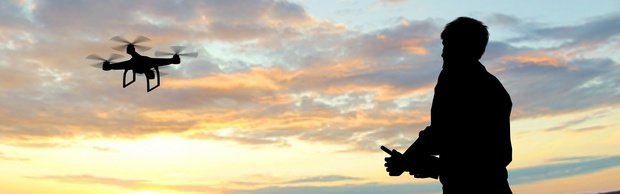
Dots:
(470, 120)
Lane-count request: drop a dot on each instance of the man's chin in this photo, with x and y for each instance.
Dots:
(457, 59)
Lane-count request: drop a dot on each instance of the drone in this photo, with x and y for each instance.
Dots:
(139, 64)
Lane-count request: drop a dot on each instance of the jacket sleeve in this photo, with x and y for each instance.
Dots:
(424, 145)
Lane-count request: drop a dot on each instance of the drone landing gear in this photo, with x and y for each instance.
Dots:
(148, 82)
(125, 84)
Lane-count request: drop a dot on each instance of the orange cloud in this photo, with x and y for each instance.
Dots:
(538, 59)
(169, 115)
(413, 46)
(257, 78)
(404, 22)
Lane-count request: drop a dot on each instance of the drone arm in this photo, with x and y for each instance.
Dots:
(118, 66)
(158, 62)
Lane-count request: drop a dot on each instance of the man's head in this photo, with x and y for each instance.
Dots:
(464, 39)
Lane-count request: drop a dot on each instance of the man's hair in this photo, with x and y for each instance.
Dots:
(468, 31)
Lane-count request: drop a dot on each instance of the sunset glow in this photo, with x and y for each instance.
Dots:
(294, 96)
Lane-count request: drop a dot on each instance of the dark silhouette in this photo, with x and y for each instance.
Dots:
(140, 64)
(470, 121)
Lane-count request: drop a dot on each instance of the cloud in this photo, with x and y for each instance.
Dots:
(560, 89)
(263, 180)
(140, 184)
(6, 157)
(564, 80)
(562, 167)
(556, 168)
(575, 124)
(329, 178)
(368, 188)
(572, 159)
(269, 72)
(105, 149)
(392, 2)
(136, 184)
(89, 179)
(603, 26)
(559, 168)
(579, 129)
(242, 137)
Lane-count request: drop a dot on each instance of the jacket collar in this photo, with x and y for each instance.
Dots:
(463, 66)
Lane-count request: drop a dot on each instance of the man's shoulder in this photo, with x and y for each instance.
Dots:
(488, 76)
(495, 85)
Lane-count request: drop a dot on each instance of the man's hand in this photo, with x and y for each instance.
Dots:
(395, 163)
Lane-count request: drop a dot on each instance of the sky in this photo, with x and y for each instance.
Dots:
(294, 96)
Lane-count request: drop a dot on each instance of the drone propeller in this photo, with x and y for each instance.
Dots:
(103, 60)
(176, 51)
(138, 39)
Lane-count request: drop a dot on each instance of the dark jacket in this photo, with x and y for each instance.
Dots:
(470, 126)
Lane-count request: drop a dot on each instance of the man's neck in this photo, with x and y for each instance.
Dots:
(460, 64)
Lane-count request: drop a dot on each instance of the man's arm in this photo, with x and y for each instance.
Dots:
(425, 145)
(418, 159)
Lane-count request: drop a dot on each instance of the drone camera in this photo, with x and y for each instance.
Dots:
(150, 74)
